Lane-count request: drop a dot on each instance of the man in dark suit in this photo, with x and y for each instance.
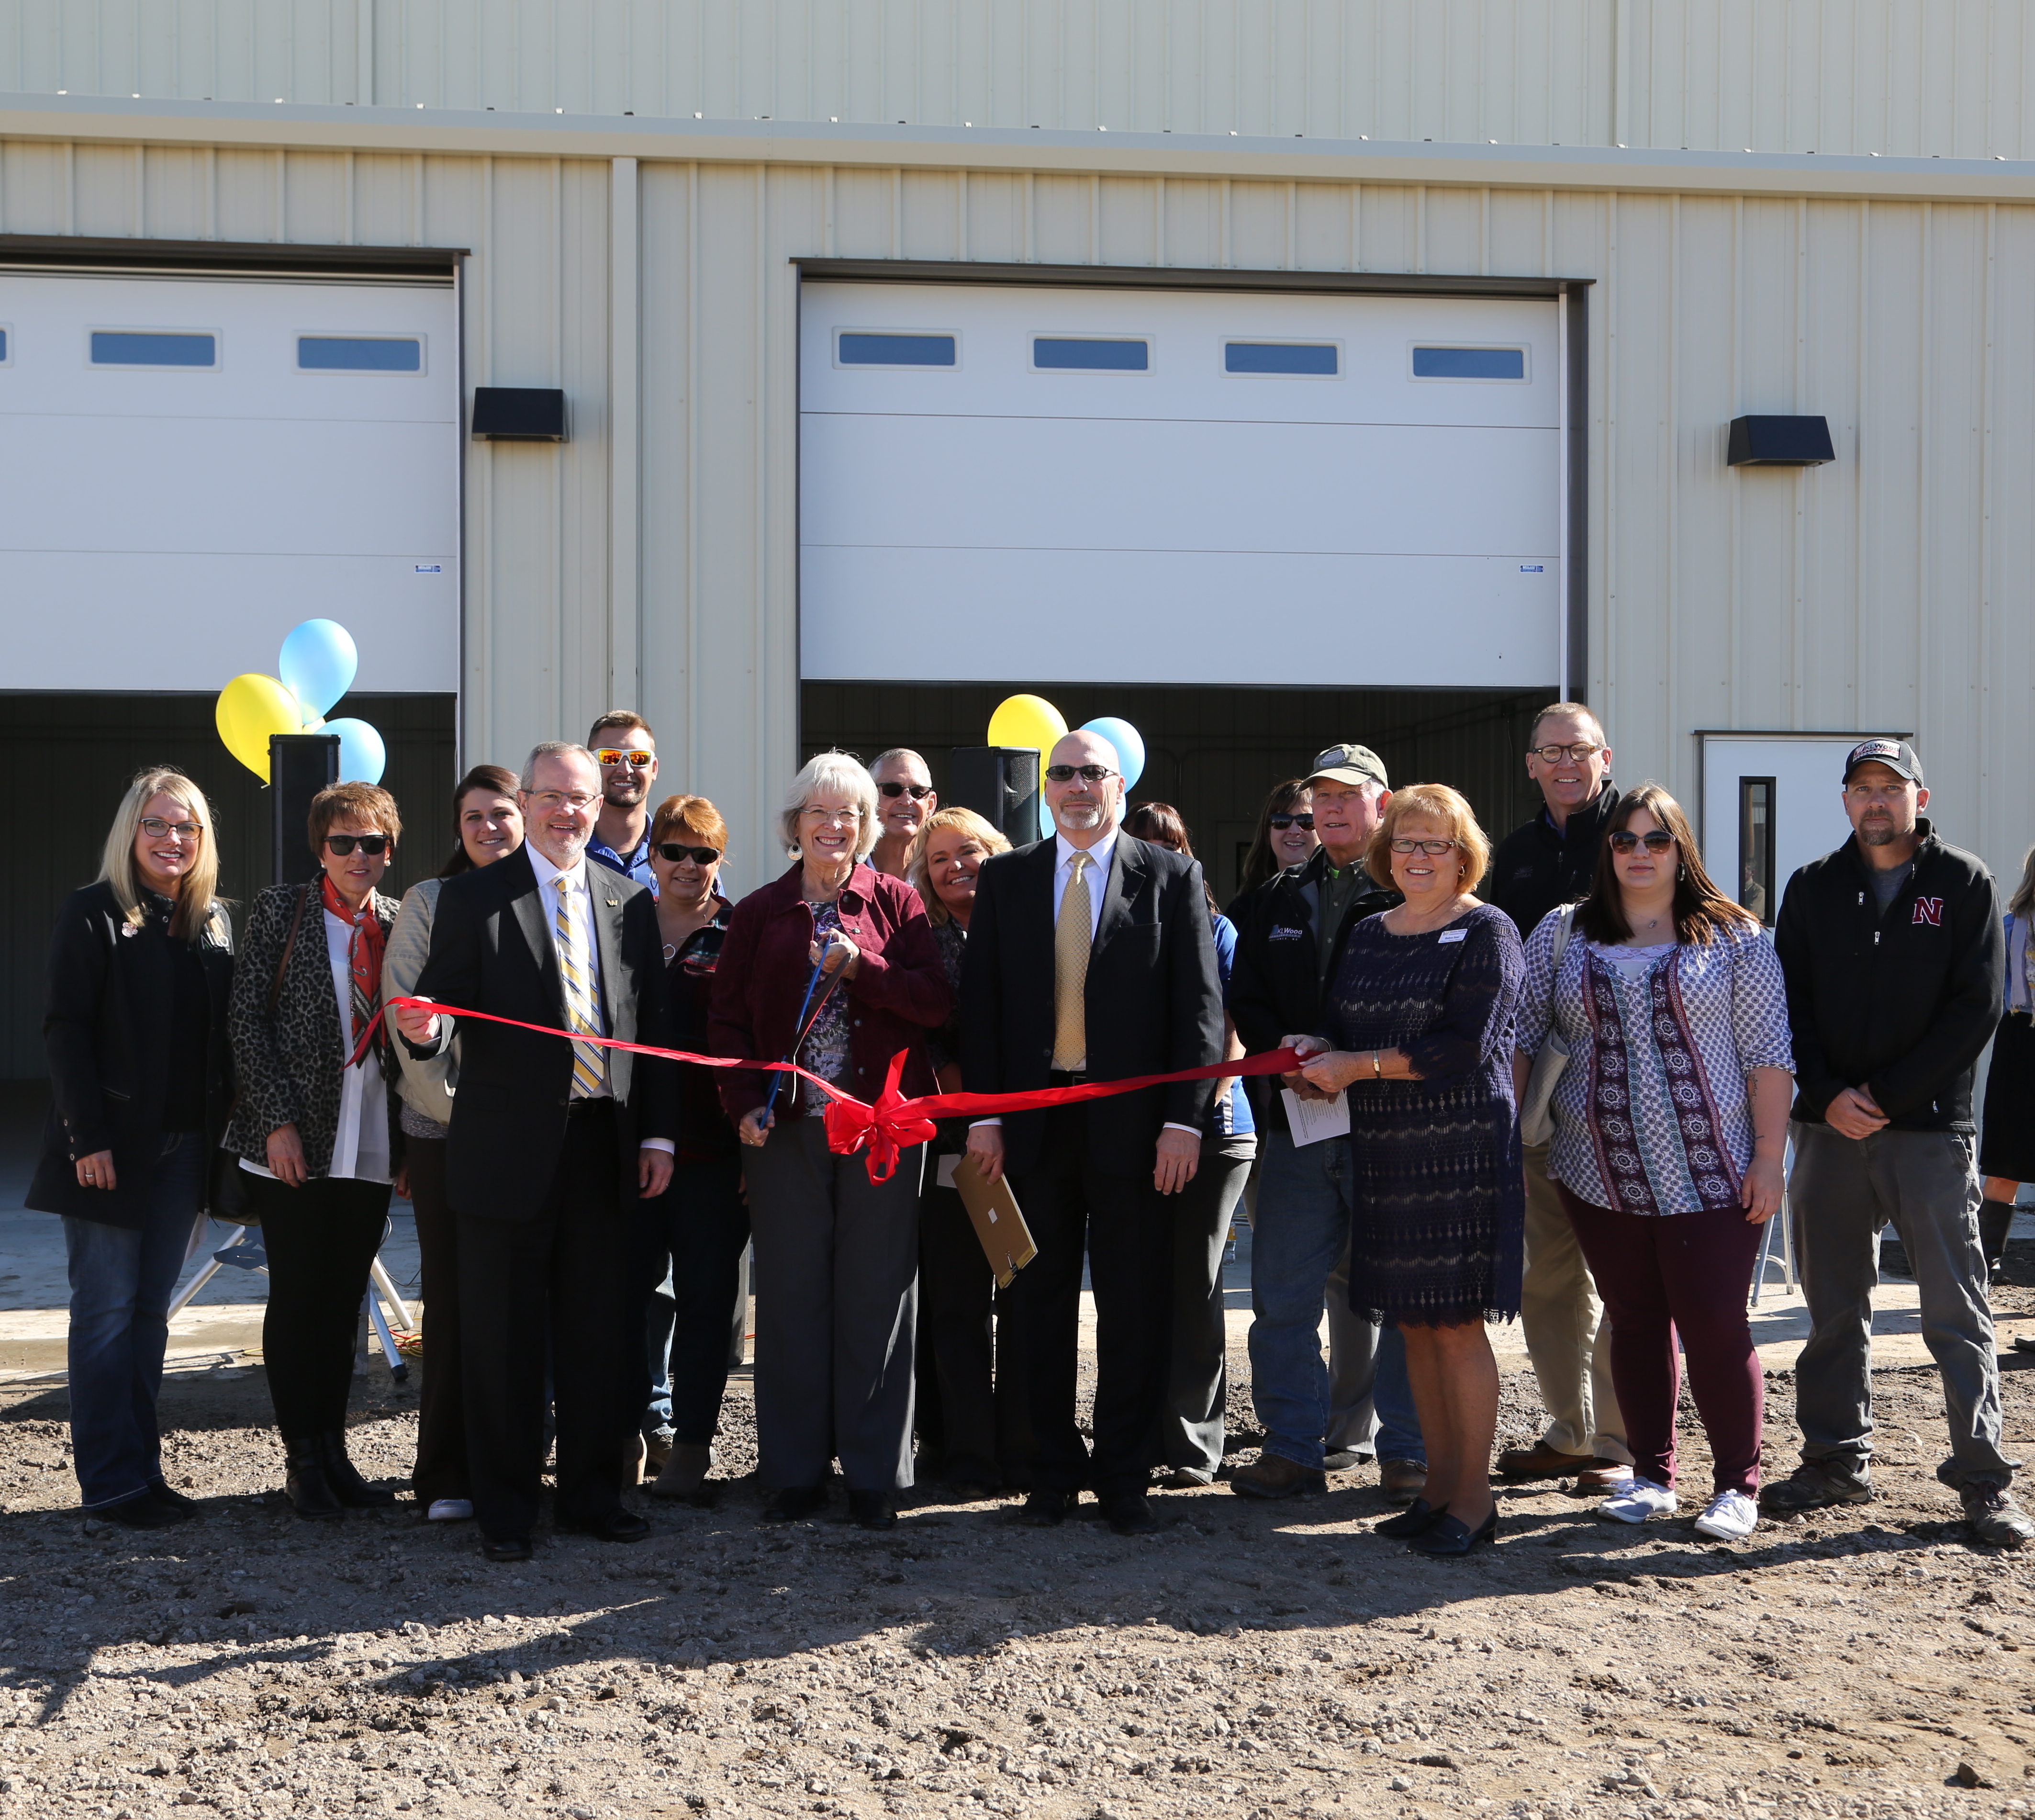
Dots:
(548, 1139)
(1090, 958)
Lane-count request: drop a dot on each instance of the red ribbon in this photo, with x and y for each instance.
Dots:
(894, 1122)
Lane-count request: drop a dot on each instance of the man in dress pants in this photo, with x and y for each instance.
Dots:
(1090, 958)
(550, 1141)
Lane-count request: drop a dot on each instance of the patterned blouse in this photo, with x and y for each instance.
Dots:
(1652, 1114)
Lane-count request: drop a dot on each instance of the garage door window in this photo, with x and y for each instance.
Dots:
(153, 347)
(1456, 362)
(360, 354)
(1084, 354)
(859, 348)
(6, 345)
(1292, 359)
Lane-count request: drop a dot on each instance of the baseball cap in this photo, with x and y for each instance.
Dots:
(1897, 755)
(1348, 764)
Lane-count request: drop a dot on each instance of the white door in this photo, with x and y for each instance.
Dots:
(191, 466)
(1179, 487)
(1772, 802)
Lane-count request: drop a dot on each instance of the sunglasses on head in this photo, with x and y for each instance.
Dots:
(918, 793)
(609, 756)
(371, 845)
(1655, 840)
(1066, 774)
(672, 851)
(1282, 822)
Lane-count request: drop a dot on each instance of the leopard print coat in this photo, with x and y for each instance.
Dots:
(287, 1063)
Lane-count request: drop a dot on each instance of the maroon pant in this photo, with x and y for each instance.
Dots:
(1685, 1275)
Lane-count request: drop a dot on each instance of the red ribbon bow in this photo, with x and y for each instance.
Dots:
(887, 1127)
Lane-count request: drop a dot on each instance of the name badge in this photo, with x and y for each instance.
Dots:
(1449, 935)
(1282, 933)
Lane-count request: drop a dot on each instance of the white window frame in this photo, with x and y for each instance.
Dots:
(842, 329)
(1334, 341)
(1034, 336)
(218, 347)
(1522, 348)
(298, 337)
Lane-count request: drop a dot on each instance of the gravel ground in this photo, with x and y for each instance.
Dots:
(1249, 1660)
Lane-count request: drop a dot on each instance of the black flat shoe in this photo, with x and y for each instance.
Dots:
(1416, 1519)
(1047, 1509)
(172, 1500)
(872, 1510)
(1451, 1535)
(505, 1549)
(616, 1525)
(304, 1481)
(347, 1485)
(795, 1503)
(140, 1511)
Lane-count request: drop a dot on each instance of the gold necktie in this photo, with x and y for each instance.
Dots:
(589, 1063)
(1072, 937)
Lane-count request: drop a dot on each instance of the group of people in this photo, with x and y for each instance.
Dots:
(1560, 1080)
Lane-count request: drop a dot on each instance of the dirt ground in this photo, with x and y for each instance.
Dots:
(1250, 1659)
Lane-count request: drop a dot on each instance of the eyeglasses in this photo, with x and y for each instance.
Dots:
(1282, 822)
(1434, 849)
(549, 802)
(371, 845)
(918, 793)
(608, 757)
(846, 815)
(677, 855)
(1654, 840)
(1089, 773)
(1554, 755)
(155, 827)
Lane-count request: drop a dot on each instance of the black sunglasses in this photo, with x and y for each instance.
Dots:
(675, 853)
(918, 793)
(1656, 840)
(1066, 774)
(1306, 822)
(371, 845)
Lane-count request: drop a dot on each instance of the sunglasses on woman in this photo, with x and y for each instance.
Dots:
(1282, 822)
(371, 845)
(677, 855)
(1655, 841)
(918, 793)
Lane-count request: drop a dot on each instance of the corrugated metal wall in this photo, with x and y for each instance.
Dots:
(1953, 77)
(1889, 589)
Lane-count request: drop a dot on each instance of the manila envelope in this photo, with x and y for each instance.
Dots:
(1006, 1240)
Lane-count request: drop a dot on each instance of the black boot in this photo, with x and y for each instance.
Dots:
(348, 1485)
(1994, 1219)
(311, 1494)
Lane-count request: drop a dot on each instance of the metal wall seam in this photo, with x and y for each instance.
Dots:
(625, 464)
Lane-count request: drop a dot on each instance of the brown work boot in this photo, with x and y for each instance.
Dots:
(684, 1474)
(1272, 1475)
(1541, 1461)
(1402, 1480)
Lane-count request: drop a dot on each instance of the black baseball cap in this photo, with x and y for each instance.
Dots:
(1897, 755)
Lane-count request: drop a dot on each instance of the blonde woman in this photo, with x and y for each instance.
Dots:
(140, 974)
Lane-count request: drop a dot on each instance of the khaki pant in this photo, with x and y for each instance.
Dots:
(1563, 1321)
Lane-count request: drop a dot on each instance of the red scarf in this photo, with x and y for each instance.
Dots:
(363, 970)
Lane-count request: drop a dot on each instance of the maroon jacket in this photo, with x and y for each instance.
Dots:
(899, 993)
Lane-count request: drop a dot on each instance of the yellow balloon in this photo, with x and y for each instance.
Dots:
(250, 709)
(1027, 721)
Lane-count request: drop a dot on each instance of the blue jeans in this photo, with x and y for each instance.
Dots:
(120, 1283)
(1302, 1225)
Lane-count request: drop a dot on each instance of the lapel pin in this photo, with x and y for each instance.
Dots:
(612, 901)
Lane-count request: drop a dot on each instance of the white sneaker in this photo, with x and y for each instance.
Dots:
(450, 1510)
(1635, 1500)
(1730, 1517)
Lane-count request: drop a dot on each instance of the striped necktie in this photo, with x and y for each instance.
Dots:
(589, 1068)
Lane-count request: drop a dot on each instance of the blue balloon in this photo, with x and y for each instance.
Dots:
(316, 665)
(363, 757)
(1129, 746)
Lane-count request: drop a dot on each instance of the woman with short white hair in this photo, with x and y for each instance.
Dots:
(832, 966)
(140, 1076)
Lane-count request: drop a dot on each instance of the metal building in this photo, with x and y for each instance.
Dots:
(1265, 373)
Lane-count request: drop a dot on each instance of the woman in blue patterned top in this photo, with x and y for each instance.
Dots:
(1419, 1029)
(1671, 1117)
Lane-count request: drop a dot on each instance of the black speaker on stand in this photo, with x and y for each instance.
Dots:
(1001, 784)
(300, 765)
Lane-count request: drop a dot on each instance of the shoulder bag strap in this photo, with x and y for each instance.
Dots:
(289, 946)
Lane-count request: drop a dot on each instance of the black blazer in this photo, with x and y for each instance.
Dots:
(107, 1029)
(491, 950)
(1154, 997)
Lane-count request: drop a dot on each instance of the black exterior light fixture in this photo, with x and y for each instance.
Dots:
(1781, 443)
(519, 414)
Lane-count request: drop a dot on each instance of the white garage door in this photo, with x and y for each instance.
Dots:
(190, 466)
(1179, 487)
